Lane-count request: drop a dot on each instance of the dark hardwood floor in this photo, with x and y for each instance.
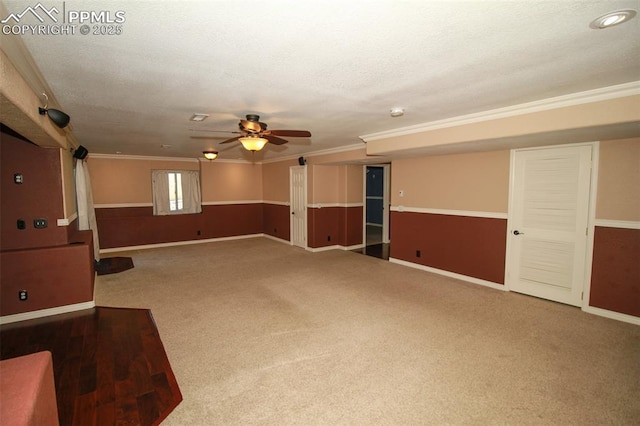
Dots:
(381, 251)
(110, 366)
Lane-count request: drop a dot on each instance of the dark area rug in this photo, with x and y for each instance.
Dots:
(113, 265)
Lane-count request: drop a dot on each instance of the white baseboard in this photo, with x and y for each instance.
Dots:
(178, 243)
(612, 315)
(326, 248)
(280, 240)
(449, 274)
(47, 312)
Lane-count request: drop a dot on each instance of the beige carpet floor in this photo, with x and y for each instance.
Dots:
(259, 332)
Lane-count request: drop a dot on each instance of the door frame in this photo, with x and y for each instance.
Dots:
(591, 214)
(386, 201)
(304, 217)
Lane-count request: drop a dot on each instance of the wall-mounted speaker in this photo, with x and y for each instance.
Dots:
(302, 161)
(80, 153)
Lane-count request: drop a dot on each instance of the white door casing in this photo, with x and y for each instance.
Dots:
(548, 222)
(298, 205)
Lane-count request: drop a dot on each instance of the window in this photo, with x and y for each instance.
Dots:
(176, 192)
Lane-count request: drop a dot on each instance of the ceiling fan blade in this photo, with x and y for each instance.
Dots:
(275, 140)
(291, 133)
(231, 140)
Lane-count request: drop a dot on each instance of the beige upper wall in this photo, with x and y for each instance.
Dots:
(323, 184)
(275, 180)
(619, 180)
(350, 188)
(128, 181)
(231, 182)
(470, 182)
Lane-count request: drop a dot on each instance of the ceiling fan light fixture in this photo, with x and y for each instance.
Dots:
(612, 18)
(253, 143)
(210, 155)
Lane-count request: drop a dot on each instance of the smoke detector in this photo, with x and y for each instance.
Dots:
(396, 112)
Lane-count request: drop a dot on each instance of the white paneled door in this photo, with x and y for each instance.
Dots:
(548, 222)
(298, 206)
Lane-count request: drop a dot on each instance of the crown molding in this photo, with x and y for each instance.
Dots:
(328, 151)
(579, 98)
(153, 158)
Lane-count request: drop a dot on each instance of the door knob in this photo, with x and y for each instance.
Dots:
(516, 232)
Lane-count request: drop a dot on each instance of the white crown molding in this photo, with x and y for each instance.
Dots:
(589, 96)
(154, 158)
(346, 148)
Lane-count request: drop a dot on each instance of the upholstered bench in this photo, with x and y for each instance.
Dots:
(27, 391)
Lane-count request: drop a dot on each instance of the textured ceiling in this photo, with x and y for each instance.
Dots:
(334, 68)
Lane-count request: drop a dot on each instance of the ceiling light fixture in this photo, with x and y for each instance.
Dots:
(199, 117)
(58, 117)
(397, 112)
(253, 143)
(612, 18)
(210, 155)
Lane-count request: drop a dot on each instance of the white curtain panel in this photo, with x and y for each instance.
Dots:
(191, 193)
(86, 211)
(160, 180)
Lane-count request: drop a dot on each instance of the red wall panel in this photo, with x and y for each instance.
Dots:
(615, 277)
(276, 221)
(39, 196)
(134, 226)
(329, 226)
(471, 246)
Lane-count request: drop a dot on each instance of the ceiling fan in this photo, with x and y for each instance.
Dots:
(253, 134)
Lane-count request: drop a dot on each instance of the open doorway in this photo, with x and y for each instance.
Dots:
(376, 210)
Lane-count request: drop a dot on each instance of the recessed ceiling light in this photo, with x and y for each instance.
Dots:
(199, 117)
(612, 18)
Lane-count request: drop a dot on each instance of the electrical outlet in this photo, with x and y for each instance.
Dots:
(418, 253)
(198, 232)
(23, 295)
(328, 237)
(40, 223)
(18, 178)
